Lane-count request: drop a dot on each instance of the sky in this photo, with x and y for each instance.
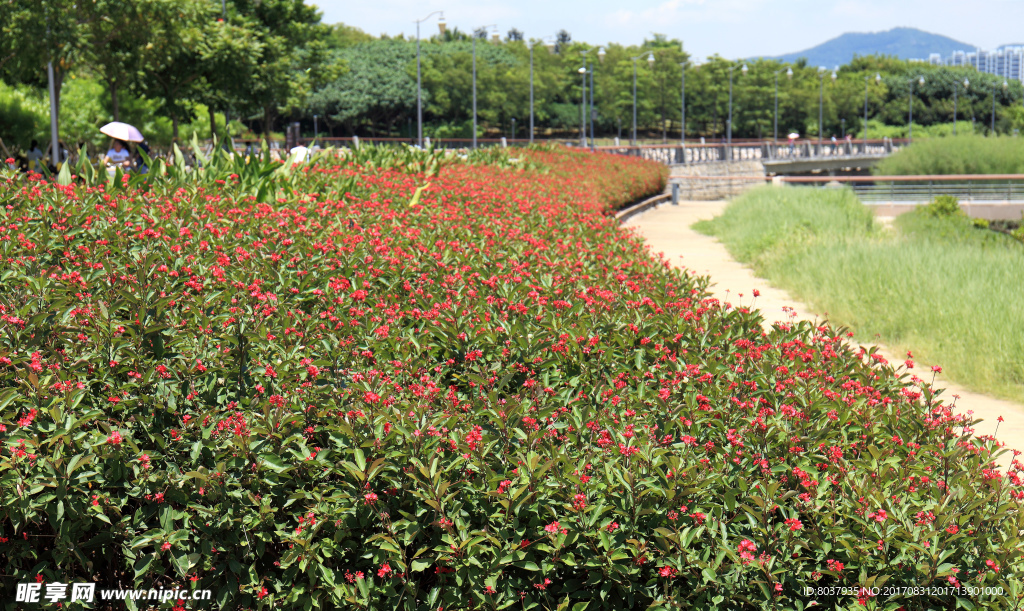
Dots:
(730, 28)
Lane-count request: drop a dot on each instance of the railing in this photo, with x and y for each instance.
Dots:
(968, 188)
(759, 151)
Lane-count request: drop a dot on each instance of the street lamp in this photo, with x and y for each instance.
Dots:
(650, 62)
(878, 80)
(910, 115)
(513, 129)
(789, 75)
(583, 102)
(419, 80)
(532, 43)
(682, 124)
(483, 29)
(1005, 86)
(821, 103)
(967, 84)
(316, 131)
(600, 58)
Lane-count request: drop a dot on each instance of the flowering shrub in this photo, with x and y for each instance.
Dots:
(292, 387)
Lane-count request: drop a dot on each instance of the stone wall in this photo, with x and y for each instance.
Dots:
(698, 182)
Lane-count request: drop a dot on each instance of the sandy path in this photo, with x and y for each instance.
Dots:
(667, 230)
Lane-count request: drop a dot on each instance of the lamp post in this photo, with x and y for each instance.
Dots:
(821, 103)
(532, 43)
(789, 75)
(682, 121)
(910, 115)
(994, 89)
(583, 102)
(600, 58)
(316, 130)
(878, 79)
(513, 128)
(967, 84)
(419, 78)
(728, 125)
(476, 35)
(650, 62)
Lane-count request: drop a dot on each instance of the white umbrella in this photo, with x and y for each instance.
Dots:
(794, 136)
(122, 131)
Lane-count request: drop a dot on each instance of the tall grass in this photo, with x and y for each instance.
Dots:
(967, 154)
(949, 292)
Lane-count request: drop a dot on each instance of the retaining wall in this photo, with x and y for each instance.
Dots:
(706, 187)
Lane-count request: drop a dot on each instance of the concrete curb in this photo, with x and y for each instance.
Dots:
(627, 213)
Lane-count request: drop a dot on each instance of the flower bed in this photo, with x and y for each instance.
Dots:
(300, 390)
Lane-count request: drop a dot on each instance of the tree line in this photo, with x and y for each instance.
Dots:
(376, 96)
(265, 63)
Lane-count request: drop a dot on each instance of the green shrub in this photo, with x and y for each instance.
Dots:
(298, 389)
(944, 206)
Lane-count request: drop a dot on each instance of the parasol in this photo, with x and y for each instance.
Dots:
(122, 131)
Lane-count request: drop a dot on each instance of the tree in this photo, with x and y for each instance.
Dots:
(342, 36)
(562, 40)
(295, 58)
(375, 93)
(514, 35)
(113, 39)
(170, 63)
(34, 34)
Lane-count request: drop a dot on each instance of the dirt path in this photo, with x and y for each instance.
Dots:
(667, 230)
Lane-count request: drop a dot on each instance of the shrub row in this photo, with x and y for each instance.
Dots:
(434, 384)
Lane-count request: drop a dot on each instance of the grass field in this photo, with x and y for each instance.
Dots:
(964, 154)
(949, 292)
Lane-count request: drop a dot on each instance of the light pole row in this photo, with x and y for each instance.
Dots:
(588, 68)
(419, 78)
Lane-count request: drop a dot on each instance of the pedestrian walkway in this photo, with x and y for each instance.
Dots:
(667, 229)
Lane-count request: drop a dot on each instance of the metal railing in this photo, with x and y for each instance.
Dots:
(759, 151)
(967, 188)
(970, 191)
(691, 153)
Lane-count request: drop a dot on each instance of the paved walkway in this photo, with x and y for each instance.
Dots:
(667, 230)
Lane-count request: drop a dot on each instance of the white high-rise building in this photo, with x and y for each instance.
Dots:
(1006, 61)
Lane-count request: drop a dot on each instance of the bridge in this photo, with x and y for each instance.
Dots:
(796, 158)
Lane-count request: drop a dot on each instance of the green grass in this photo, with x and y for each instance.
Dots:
(964, 154)
(948, 291)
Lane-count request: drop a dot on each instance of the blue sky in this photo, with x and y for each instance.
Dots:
(731, 28)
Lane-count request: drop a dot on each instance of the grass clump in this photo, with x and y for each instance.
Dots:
(937, 284)
(967, 154)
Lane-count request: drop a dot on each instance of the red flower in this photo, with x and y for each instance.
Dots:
(384, 570)
(166, 546)
(746, 549)
(115, 438)
(667, 571)
(552, 527)
(263, 592)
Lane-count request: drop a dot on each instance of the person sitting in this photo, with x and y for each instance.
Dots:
(118, 155)
(35, 157)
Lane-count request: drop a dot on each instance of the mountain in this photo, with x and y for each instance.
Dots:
(905, 43)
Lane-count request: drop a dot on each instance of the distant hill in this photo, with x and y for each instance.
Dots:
(904, 43)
